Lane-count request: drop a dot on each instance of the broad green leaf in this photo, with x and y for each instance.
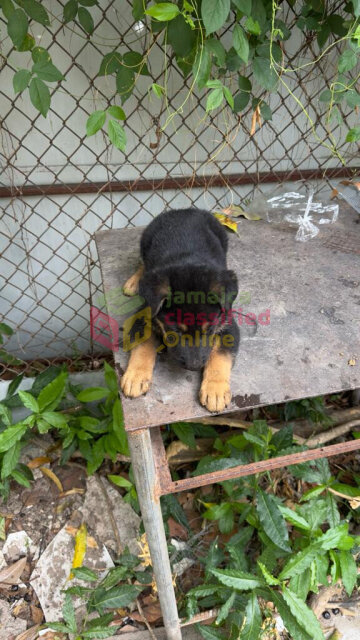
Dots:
(117, 134)
(244, 6)
(116, 597)
(216, 47)
(264, 75)
(356, 5)
(86, 20)
(29, 401)
(253, 619)
(333, 514)
(91, 394)
(265, 111)
(346, 489)
(17, 27)
(296, 631)
(5, 415)
(95, 122)
(163, 11)
(272, 520)
(99, 633)
(88, 3)
(116, 112)
(202, 66)
(84, 573)
(20, 478)
(347, 61)
(313, 493)
(300, 561)
(70, 11)
(181, 36)
(226, 608)
(39, 96)
(120, 481)
(301, 612)
(352, 99)
(4, 328)
(13, 386)
(269, 579)
(209, 633)
(353, 135)
(294, 518)
(68, 612)
(58, 626)
(138, 9)
(110, 63)
(348, 571)
(228, 97)
(35, 11)
(21, 80)
(185, 433)
(7, 7)
(11, 435)
(47, 71)
(300, 584)
(125, 79)
(50, 396)
(215, 99)
(252, 26)
(214, 14)
(10, 460)
(237, 579)
(39, 54)
(157, 89)
(55, 418)
(240, 42)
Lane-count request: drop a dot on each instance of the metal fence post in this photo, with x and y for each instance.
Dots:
(146, 485)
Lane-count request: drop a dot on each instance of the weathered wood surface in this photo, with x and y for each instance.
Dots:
(311, 345)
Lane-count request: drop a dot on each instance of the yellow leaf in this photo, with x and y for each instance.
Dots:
(226, 222)
(80, 548)
(234, 211)
(37, 462)
(50, 474)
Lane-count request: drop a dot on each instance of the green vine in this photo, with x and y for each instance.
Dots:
(215, 43)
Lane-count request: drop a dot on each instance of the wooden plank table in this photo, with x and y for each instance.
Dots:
(306, 297)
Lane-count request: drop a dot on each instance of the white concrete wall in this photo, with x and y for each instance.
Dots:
(48, 262)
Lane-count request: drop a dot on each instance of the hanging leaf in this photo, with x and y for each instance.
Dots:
(17, 27)
(116, 112)
(163, 11)
(35, 11)
(117, 134)
(86, 20)
(95, 122)
(39, 96)
(21, 80)
(110, 63)
(70, 11)
(47, 71)
(240, 42)
(264, 74)
(214, 14)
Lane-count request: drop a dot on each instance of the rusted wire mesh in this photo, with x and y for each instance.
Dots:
(58, 187)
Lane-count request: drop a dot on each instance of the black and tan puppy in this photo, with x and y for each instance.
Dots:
(185, 282)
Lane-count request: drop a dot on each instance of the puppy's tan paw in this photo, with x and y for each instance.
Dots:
(135, 382)
(131, 286)
(215, 395)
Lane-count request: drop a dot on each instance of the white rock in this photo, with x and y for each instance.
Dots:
(17, 545)
(52, 571)
(95, 512)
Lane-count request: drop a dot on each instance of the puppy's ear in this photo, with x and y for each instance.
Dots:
(154, 288)
(226, 287)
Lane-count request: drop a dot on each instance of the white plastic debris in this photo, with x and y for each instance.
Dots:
(301, 211)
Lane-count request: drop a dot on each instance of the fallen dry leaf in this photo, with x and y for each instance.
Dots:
(256, 118)
(352, 362)
(226, 222)
(177, 530)
(37, 462)
(50, 474)
(350, 183)
(80, 548)
(70, 492)
(354, 502)
(235, 211)
(36, 614)
(334, 194)
(31, 634)
(11, 575)
(152, 613)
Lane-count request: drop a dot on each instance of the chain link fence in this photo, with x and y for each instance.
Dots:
(58, 187)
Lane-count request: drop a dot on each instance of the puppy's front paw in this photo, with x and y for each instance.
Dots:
(215, 395)
(135, 382)
(131, 286)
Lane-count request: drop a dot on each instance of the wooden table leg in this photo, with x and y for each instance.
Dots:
(146, 485)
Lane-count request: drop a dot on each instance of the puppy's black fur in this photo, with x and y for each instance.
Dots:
(184, 251)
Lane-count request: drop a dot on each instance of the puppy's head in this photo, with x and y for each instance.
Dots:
(189, 307)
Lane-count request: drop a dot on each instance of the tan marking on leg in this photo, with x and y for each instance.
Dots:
(137, 377)
(215, 393)
(131, 286)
